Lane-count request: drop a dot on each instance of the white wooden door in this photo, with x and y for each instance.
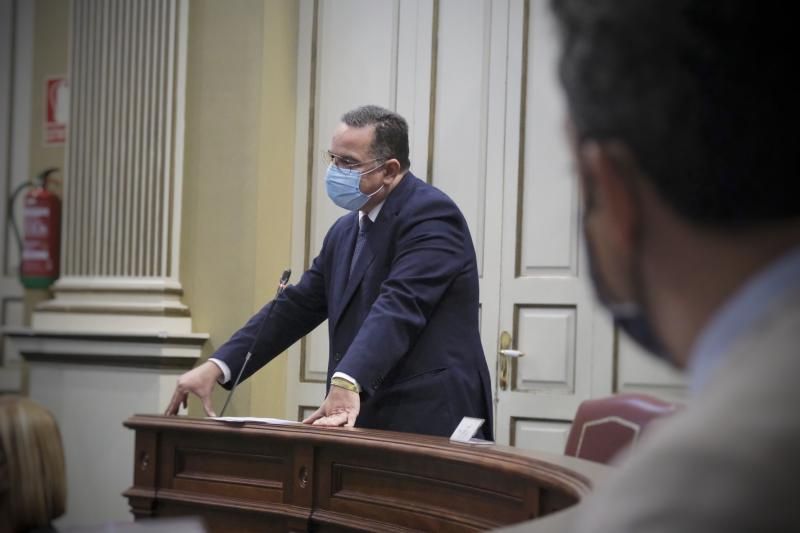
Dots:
(547, 307)
(548, 311)
(476, 81)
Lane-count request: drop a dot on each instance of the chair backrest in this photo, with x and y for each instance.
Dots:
(604, 426)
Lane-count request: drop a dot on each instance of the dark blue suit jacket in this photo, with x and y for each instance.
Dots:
(405, 324)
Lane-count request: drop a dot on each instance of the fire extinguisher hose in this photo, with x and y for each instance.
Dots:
(43, 179)
(12, 220)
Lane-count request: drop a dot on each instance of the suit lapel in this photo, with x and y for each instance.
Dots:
(364, 260)
(341, 264)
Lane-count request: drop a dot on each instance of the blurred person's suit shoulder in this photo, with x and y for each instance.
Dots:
(728, 463)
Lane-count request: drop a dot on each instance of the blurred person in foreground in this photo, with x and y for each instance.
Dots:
(33, 487)
(683, 118)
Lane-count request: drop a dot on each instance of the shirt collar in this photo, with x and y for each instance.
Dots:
(373, 214)
(738, 313)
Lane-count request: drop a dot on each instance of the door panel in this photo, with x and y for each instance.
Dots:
(467, 134)
(547, 336)
(545, 301)
(461, 107)
(543, 435)
(637, 371)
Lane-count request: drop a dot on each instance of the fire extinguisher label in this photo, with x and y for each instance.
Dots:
(41, 220)
(35, 255)
(34, 211)
(35, 228)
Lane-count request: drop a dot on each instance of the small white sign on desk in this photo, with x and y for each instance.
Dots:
(467, 429)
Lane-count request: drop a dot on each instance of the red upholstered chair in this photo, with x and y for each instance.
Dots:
(604, 426)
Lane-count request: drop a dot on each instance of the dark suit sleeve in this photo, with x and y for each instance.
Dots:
(429, 254)
(298, 310)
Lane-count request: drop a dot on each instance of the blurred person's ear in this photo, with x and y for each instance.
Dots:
(610, 181)
(611, 215)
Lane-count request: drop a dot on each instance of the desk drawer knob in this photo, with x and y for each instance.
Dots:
(144, 460)
(302, 477)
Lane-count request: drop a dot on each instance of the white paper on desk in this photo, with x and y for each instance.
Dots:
(466, 429)
(253, 419)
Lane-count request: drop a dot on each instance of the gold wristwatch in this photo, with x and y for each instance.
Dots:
(344, 384)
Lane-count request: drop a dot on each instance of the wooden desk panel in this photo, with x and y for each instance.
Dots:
(426, 493)
(249, 477)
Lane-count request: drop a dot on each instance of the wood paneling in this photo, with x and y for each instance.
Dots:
(546, 335)
(250, 477)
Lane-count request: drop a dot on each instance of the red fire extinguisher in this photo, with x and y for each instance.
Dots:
(40, 243)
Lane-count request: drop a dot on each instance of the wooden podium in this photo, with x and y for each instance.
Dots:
(255, 477)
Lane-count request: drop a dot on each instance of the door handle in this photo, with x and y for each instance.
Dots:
(506, 353)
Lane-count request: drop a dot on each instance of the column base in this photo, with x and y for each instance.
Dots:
(131, 305)
(93, 382)
(142, 350)
(99, 351)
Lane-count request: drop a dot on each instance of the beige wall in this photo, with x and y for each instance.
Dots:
(50, 48)
(239, 146)
(236, 232)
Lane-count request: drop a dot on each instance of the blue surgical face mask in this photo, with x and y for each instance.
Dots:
(342, 185)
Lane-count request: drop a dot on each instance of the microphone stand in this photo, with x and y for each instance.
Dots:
(281, 285)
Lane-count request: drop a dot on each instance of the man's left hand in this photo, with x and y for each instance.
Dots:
(340, 408)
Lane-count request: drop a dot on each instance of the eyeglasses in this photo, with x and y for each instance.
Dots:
(343, 162)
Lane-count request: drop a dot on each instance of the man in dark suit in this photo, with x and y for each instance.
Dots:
(397, 280)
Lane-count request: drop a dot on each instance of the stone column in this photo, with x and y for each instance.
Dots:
(116, 334)
(122, 201)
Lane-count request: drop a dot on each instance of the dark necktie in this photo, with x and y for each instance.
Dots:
(363, 227)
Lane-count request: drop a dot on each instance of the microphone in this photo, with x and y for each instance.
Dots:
(281, 285)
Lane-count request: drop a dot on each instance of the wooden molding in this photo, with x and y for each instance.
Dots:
(128, 361)
(301, 477)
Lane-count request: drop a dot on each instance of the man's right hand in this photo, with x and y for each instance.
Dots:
(200, 382)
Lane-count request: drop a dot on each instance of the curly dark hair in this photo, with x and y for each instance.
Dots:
(700, 91)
